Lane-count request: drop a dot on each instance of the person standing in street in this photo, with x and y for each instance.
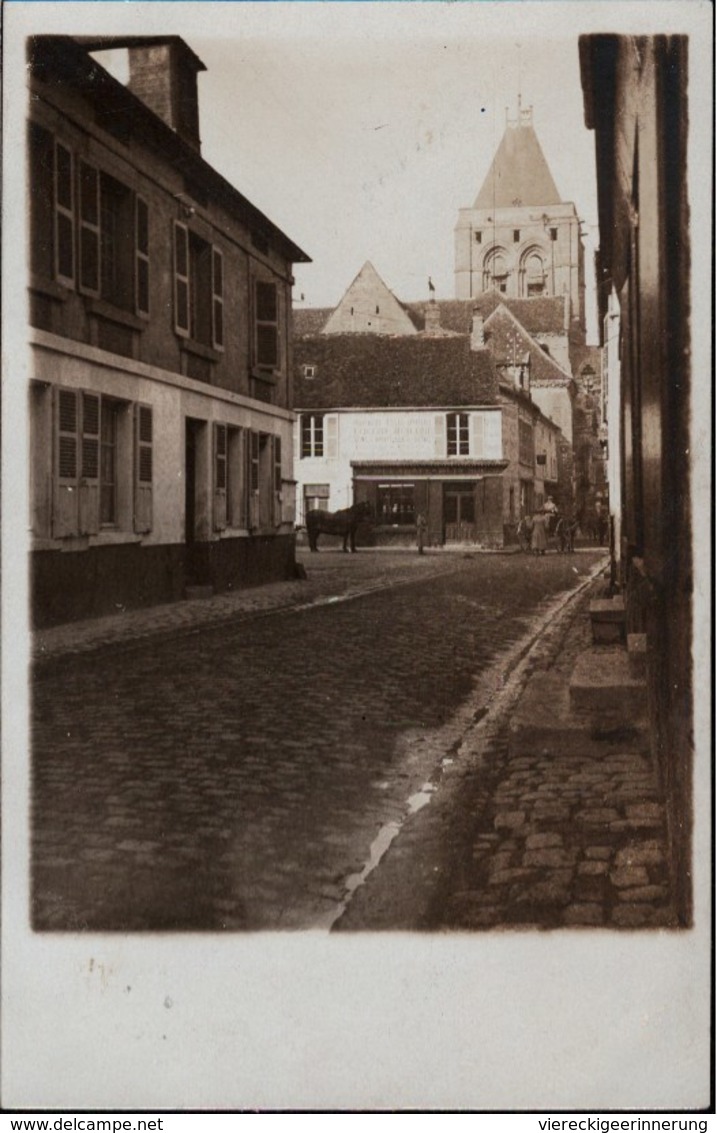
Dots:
(421, 526)
(539, 538)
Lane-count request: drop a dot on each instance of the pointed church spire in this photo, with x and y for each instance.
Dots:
(519, 174)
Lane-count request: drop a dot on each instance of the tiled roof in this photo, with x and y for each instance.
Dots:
(507, 338)
(380, 371)
(310, 320)
(544, 314)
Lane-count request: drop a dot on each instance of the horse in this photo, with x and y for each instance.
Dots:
(565, 531)
(343, 522)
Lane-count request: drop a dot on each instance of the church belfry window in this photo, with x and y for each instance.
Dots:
(553, 233)
(479, 237)
(516, 235)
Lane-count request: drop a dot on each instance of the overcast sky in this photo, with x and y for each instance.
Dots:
(364, 135)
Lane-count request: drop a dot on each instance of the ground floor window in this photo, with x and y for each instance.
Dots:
(395, 504)
(316, 497)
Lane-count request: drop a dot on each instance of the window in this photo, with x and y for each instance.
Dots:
(309, 371)
(64, 229)
(267, 326)
(525, 443)
(312, 434)
(479, 237)
(113, 241)
(516, 235)
(457, 434)
(495, 270)
(316, 497)
(198, 288)
(96, 464)
(395, 504)
(553, 233)
(41, 180)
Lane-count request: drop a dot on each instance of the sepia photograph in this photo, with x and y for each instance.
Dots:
(356, 564)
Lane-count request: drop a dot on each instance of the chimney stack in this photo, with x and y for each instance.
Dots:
(477, 332)
(163, 73)
(432, 318)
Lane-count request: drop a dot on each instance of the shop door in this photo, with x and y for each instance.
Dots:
(459, 513)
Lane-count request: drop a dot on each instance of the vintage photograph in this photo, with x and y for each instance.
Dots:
(360, 477)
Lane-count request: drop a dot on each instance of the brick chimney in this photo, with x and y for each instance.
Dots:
(432, 318)
(163, 73)
(477, 332)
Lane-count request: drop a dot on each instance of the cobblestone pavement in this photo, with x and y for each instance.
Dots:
(546, 838)
(233, 772)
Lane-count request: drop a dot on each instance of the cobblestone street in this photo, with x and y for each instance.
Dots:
(231, 770)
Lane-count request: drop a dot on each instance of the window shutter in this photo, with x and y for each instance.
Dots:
(477, 449)
(64, 215)
(89, 491)
(181, 279)
(492, 441)
(332, 436)
(253, 479)
(217, 299)
(277, 480)
(89, 230)
(65, 513)
(143, 460)
(220, 477)
(439, 424)
(141, 257)
(266, 325)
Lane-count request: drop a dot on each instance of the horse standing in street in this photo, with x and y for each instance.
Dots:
(343, 523)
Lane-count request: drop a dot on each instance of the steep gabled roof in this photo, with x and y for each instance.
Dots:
(368, 305)
(380, 371)
(519, 174)
(507, 339)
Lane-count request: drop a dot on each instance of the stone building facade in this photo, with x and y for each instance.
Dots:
(635, 98)
(160, 338)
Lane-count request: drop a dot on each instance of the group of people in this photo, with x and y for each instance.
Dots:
(537, 526)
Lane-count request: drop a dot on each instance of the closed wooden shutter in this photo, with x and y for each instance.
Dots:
(477, 449)
(181, 279)
(331, 425)
(89, 230)
(220, 477)
(89, 489)
(253, 479)
(439, 427)
(64, 228)
(65, 512)
(217, 299)
(277, 480)
(144, 472)
(141, 257)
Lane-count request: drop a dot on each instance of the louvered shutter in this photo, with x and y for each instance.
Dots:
(181, 279)
(253, 478)
(64, 229)
(65, 513)
(477, 449)
(439, 426)
(89, 230)
(143, 470)
(220, 477)
(492, 439)
(276, 441)
(331, 441)
(217, 299)
(141, 257)
(89, 489)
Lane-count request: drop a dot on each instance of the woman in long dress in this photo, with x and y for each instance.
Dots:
(539, 538)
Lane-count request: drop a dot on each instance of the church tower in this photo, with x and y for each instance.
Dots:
(520, 238)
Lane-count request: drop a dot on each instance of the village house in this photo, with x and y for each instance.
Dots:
(161, 346)
(422, 422)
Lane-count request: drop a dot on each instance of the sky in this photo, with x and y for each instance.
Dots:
(363, 140)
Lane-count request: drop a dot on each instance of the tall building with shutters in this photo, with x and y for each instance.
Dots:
(160, 337)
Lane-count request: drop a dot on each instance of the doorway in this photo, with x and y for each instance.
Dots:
(459, 513)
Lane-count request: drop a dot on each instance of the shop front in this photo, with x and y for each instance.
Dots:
(460, 506)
